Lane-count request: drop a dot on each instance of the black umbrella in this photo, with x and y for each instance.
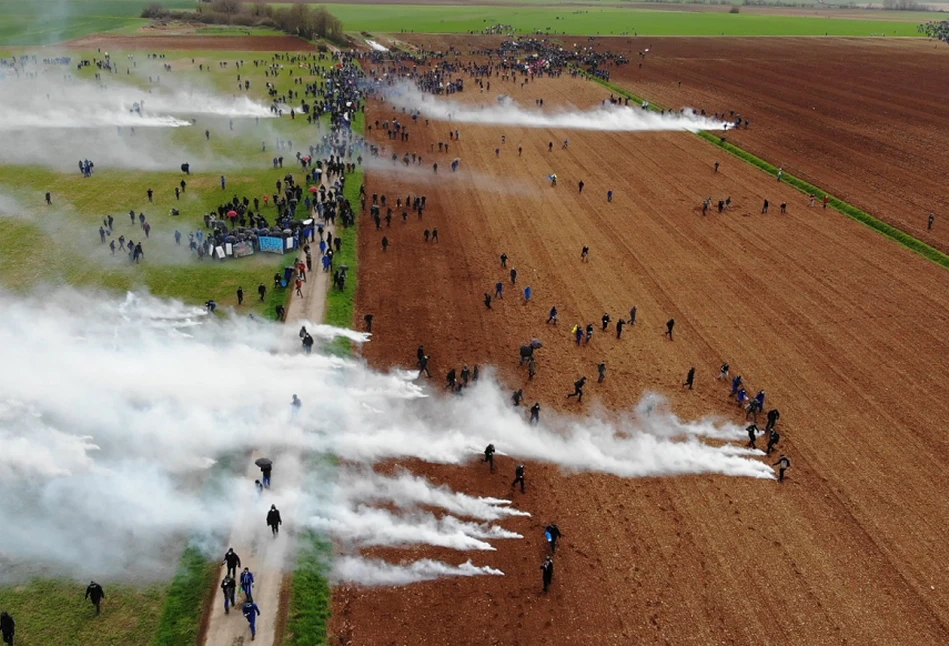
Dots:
(263, 462)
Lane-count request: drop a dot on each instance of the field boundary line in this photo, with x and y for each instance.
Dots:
(888, 230)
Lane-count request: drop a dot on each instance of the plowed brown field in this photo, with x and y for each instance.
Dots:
(845, 330)
(863, 119)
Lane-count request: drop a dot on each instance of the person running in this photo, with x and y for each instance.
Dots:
(609, 196)
(752, 434)
(605, 320)
(423, 367)
(585, 254)
(517, 396)
(552, 534)
(503, 261)
(783, 465)
(723, 373)
(519, 477)
(513, 276)
(229, 588)
(535, 413)
(671, 323)
(578, 389)
(273, 520)
(487, 300)
(531, 368)
(95, 594)
(489, 456)
(773, 438)
(547, 568)
(736, 386)
(552, 317)
(601, 372)
(251, 612)
(690, 378)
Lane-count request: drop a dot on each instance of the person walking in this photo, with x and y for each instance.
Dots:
(671, 323)
(247, 583)
(547, 569)
(487, 300)
(7, 628)
(513, 276)
(265, 472)
(783, 465)
(723, 372)
(605, 320)
(499, 289)
(932, 220)
(619, 328)
(552, 534)
(578, 389)
(519, 477)
(251, 612)
(531, 368)
(632, 315)
(690, 378)
(95, 594)
(261, 291)
(489, 456)
(273, 520)
(385, 243)
(517, 396)
(228, 587)
(233, 561)
(773, 416)
(601, 371)
(240, 296)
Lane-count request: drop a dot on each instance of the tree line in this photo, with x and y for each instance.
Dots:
(303, 20)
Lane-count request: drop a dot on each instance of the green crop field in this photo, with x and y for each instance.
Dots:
(41, 22)
(602, 21)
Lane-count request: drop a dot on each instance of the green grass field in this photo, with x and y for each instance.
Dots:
(59, 244)
(602, 21)
(41, 22)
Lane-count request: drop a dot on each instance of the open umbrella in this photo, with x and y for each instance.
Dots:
(263, 462)
(314, 189)
(232, 214)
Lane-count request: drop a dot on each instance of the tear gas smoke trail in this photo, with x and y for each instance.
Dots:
(376, 46)
(28, 103)
(613, 118)
(407, 490)
(372, 527)
(113, 410)
(375, 572)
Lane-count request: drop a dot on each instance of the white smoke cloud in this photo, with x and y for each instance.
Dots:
(55, 121)
(353, 569)
(113, 411)
(613, 118)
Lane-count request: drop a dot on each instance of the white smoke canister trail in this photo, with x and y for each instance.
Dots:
(611, 118)
(370, 572)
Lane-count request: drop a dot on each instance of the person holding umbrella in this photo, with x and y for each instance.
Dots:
(266, 466)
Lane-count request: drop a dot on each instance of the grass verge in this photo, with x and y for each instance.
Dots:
(181, 617)
(310, 593)
(888, 230)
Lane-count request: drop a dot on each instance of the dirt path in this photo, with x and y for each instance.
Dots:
(264, 554)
